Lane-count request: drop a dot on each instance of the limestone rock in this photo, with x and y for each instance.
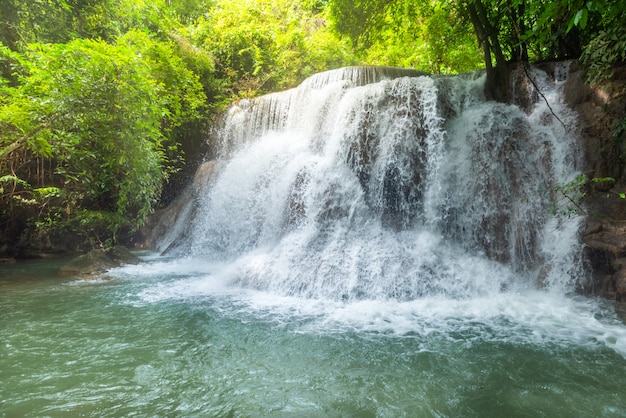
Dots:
(620, 285)
(605, 252)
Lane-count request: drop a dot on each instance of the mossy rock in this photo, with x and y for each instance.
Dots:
(98, 261)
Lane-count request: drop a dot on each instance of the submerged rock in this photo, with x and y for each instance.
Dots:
(96, 262)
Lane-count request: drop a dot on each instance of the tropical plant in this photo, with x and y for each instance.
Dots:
(429, 36)
(94, 119)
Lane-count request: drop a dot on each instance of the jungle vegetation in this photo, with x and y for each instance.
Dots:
(99, 99)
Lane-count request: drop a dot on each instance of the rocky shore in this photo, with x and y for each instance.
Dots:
(95, 263)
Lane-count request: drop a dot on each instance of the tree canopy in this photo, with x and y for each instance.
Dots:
(505, 31)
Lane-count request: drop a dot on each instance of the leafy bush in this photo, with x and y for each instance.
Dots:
(102, 115)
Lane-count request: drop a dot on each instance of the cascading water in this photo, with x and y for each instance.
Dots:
(373, 243)
(368, 183)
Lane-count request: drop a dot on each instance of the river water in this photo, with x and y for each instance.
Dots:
(166, 338)
(374, 243)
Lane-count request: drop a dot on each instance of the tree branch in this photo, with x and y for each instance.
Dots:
(525, 66)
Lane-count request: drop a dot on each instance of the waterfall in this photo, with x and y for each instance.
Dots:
(377, 183)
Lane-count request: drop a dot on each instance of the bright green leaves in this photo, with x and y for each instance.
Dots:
(12, 181)
(605, 50)
(99, 97)
(429, 36)
(580, 19)
(103, 115)
(260, 46)
(568, 197)
(583, 11)
(99, 105)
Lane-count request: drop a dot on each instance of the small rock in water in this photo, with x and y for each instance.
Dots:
(96, 262)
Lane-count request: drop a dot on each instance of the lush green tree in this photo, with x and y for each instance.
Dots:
(93, 119)
(426, 35)
(260, 46)
(60, 21)
(31, 21)
(99, 98)
(431, 37)
(505, 31)
(531, 29)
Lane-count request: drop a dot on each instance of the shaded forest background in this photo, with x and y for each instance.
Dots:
(102, 100)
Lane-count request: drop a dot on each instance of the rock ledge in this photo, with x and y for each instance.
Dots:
(96, 262)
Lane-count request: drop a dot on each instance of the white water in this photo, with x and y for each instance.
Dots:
(382, 249)
(520, 317)
(398, 189)
(409, 205)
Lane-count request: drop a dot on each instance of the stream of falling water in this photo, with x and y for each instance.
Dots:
(375, 243)
(401, 188)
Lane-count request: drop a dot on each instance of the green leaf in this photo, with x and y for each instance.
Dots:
(47, 192)
(14, 179)
(583, 19)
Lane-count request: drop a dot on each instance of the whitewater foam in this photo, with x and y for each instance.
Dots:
(521, 316)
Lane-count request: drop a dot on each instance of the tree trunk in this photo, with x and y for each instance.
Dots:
(521, 50)
(497, 86)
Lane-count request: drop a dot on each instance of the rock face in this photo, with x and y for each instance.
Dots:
(604, 235)
(169, 225)
(605, 250)
(96, 262)
(7, 260)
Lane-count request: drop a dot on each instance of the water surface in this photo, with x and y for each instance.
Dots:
(166, 338)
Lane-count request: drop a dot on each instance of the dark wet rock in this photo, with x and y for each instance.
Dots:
(604, 235)
(605, 252)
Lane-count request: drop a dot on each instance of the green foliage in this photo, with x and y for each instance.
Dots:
(104, 114)
(435, 36)
(567, 197)
(12, 180)
(42, 193)
(261, 46)
(429, 36)
(60, 21)
(442, 42)
(96, 97)
(99, 112)
(177, 88)
(94, 228)
(56, 20)
(605, 50)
